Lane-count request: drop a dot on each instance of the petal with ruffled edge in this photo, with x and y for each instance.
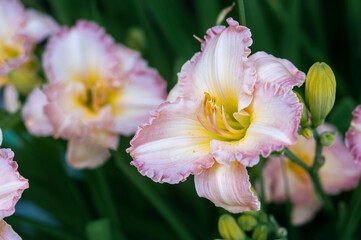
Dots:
(83, 52)
(35, 120)
(7, 232)
(353, 136)
(11, 99)
(227, 187)
(275, 114)
(86, 153)
(12, 184)
(222, 68)
(277, 70)
(38, 25)
(142, 91)
(173, 144)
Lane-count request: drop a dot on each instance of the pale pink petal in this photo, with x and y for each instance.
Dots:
(277, 70)
(70, 117)
(304, 213)
(353, 136)
(275, 114)
(105, 139)
(86, 153)
(227, 187)
(12, 184)
(222, 68)
(339, 172)
(35, 120)
(11, 99)
(173, 144)
(82, 52)
(12, 18)
(142, 91)
(38, 25)
(7, 232)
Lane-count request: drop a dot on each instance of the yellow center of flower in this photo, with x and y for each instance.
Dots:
(8, 52)
(217, 120)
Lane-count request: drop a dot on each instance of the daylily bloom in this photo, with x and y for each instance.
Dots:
(20, 30)
(226, 110)
(12, 185)
(97, 91)
(337, 174)
(353, 136)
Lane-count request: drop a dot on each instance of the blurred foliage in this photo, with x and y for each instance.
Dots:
(116, 200)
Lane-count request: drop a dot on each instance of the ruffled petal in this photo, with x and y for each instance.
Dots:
(11, 99)
(7, 232)
(173, 144)
(353, 136)
(222, 68)
(38, 25)
(12, 184)
(277, 70)
(275, 114)
(142, 91)
(86, 153)
(227, 187)
(35, 120)
(82, 52)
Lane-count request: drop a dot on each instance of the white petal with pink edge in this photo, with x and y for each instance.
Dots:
(353, 136)
(38, 25)
(222, 68)
(275, 114)
(33, 114)
(12, 184)
(173, 144)
(7, 232)
(227, 187)
(277, 70)
(83, 52)
(86, 152)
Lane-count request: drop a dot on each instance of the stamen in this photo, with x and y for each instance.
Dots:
(229, 128)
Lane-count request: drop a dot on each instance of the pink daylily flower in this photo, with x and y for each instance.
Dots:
(353, 136)
(12, 185)
(339, 173)
(226, 110)
(97, 90)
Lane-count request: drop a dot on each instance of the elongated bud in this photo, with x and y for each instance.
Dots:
(247, 222)
(229, 229)
(260, 233)
(328, 138)
(320, 92)
(135, 39)
(304, 117)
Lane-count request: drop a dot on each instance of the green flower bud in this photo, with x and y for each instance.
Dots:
(304, 116)
(247, 222)
(307, 133)
(229, 229)
(328, 138)
(135, 39)
(320, 92)
(260, 233)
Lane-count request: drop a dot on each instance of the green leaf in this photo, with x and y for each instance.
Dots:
(99, 229)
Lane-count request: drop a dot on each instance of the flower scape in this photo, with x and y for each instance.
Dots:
(104, 118)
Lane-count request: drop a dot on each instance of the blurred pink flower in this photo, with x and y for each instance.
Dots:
(20, 30)
(353, 136)
(7, 233)
(226, 110)
(97, 91)
(339, 173)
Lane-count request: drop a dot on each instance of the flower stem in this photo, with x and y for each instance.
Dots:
(242, 12)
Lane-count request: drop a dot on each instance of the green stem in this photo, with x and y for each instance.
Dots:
(109, 204)
(242, 12)
(153, 198)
